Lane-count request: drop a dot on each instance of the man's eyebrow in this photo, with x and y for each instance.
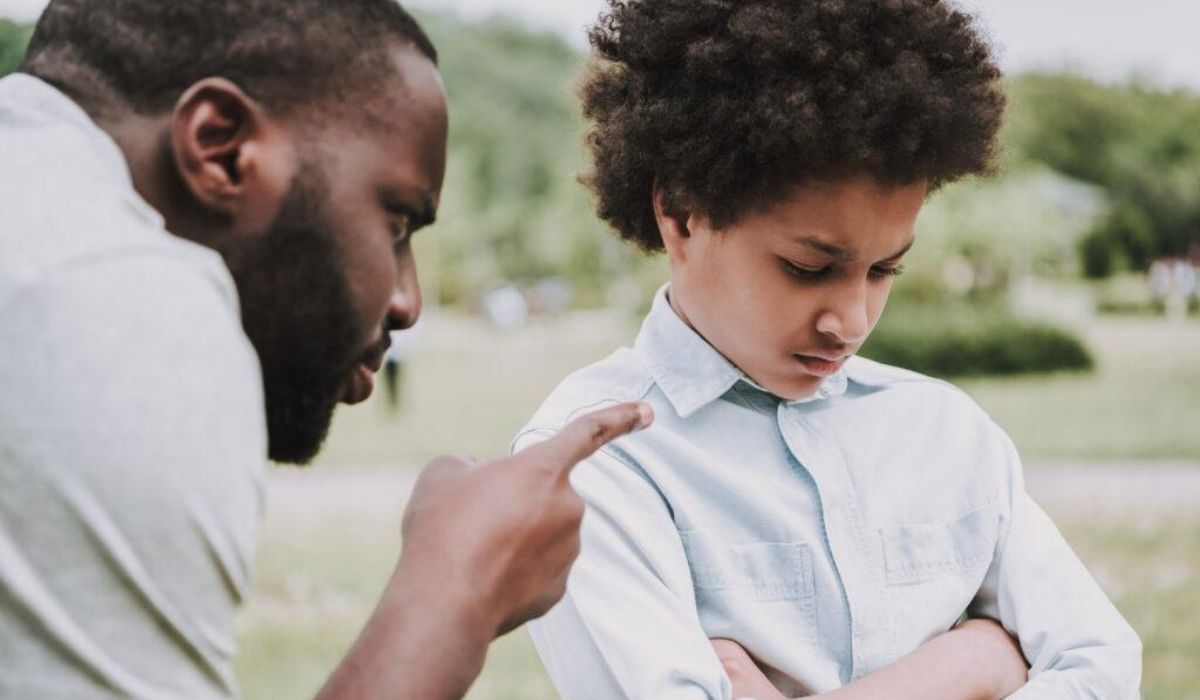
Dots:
(421, 215)
(839, 253)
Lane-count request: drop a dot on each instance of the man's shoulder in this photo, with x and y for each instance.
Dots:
(618, 378)
(66, 201)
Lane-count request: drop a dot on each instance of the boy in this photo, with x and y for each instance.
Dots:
(824, 514)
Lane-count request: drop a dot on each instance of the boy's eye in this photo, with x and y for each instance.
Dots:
(885, 272)
(807, 274)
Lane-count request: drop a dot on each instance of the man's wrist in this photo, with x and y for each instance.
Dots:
(424, 640)
(441, 602)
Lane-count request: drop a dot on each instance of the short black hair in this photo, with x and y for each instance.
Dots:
(143, 54)
(729, 103)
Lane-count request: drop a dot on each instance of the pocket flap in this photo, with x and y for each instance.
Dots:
(762, 570)
(915, 553)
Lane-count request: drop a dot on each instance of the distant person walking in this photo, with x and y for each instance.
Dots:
(1173, 281)
(394, 361)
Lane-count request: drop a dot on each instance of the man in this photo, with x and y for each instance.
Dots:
(167, 166)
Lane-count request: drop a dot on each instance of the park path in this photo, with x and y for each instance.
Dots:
(1063, 488)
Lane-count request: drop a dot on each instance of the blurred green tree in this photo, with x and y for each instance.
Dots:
(13, 40)
(1140, 144)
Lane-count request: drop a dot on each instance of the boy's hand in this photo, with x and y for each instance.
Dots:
(978, 660)
(498, 539)
(996, 650)
(748, 681)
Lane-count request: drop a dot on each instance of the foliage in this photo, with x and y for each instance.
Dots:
(972, 341)
(13, 40)
(1027, 221)
(512, 208)
(1140, 144)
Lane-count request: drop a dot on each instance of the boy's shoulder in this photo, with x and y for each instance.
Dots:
(904, 395)
(874, 375)
(618, 378)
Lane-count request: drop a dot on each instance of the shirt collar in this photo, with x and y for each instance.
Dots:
(690, 372)
(52, 105)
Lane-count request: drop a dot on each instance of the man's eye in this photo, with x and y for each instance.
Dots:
(400, 229)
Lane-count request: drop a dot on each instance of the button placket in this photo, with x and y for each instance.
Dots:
(854, 556)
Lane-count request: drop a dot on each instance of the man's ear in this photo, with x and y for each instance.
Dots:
(234, 160)
(675, 221)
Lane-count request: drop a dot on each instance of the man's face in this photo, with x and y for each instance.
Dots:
(788, 293)
(334, 272)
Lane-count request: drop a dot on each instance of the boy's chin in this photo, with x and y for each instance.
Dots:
(793, 388)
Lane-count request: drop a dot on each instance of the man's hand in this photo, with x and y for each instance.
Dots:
(486, 548)
(500, 537)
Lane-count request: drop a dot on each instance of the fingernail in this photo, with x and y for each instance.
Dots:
(645, 415)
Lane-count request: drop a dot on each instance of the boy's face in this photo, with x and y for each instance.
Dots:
(790, 291)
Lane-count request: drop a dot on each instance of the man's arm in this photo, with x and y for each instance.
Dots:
(485, 549)
(132, 454)
(977, 660)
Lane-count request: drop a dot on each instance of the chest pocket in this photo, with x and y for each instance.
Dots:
(916, 553)
(761, 571)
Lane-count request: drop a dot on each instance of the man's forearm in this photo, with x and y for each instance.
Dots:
(419, 643)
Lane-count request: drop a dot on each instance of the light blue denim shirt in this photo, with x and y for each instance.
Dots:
(829, 536)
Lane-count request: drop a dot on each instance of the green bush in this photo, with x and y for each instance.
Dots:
(966, 342)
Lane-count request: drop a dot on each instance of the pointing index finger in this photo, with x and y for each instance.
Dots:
(586, 434)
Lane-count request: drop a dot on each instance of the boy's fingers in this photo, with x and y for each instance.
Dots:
(586, 434)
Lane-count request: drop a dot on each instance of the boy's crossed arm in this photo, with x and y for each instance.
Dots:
(977, 660)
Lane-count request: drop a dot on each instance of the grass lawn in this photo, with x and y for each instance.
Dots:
(320, 573)
(1141, 402)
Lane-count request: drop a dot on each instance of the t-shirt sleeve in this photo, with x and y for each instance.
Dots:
(132, 457)
(627, 626)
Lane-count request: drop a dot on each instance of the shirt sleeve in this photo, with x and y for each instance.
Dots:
(131, 463)
(627, 626)
(1077, 644)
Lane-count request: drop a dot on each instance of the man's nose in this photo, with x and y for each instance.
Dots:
(404, 308)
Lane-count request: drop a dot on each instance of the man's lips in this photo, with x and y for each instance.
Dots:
(359, 385)
(361, 381)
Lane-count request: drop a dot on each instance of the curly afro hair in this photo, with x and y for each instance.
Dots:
(727, 104)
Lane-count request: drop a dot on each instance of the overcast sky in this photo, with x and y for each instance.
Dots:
(1110, 39)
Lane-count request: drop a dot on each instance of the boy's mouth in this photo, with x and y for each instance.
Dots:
(821, 366)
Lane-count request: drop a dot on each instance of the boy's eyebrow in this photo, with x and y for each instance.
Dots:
(842, 254)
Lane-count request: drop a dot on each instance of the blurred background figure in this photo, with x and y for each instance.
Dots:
(1173, 281)
(403, 343)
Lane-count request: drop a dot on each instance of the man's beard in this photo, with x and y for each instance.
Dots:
(298, 312)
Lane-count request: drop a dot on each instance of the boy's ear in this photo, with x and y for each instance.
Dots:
(232, 158)
(674, 220)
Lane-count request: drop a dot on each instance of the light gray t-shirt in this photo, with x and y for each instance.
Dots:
(132, 429)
